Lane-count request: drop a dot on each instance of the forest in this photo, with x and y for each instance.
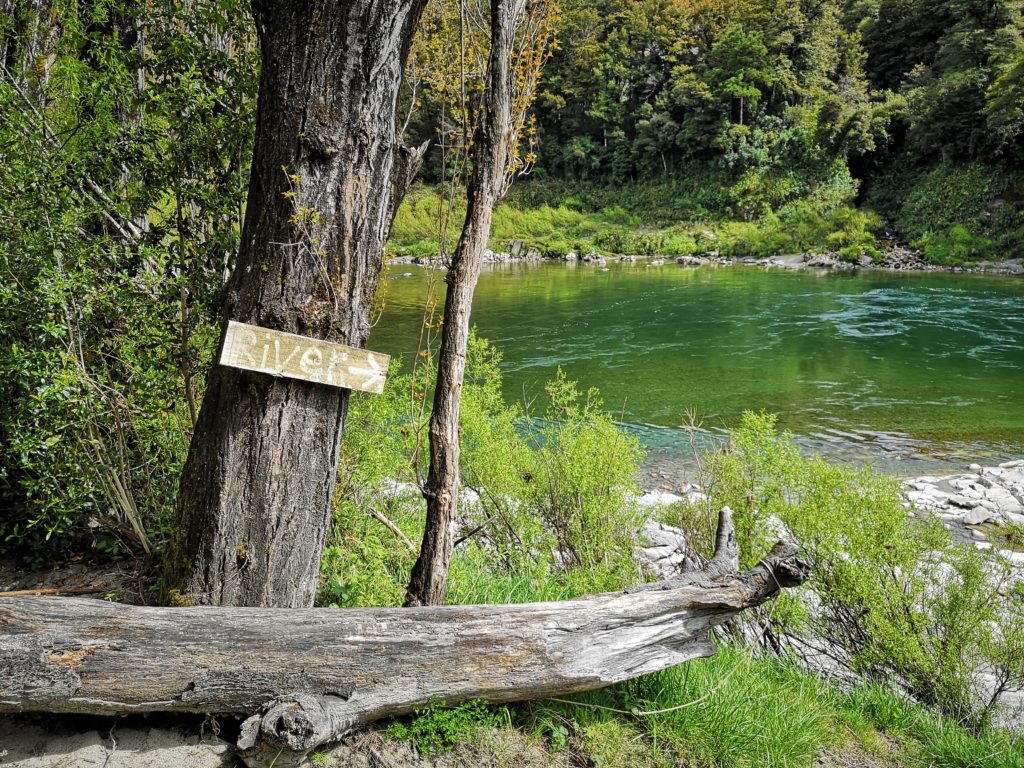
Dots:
(909, 111)
(144, 183)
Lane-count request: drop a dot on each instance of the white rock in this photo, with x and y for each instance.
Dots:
(658, 499)
(1014, 517)
(964, 501)
(1003, 500)
(979, 515)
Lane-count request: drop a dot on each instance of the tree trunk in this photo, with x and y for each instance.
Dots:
(255, 493)
(489, 154)
(28, 41)
(310, 675)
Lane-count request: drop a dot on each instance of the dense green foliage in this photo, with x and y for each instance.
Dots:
(744, 128)
(124, 144)
(901, 600)
(741, 110)
(589, 221)
(548, 510)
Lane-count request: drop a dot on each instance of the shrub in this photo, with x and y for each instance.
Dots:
(901, 600)
(440, 728)
(549, 502)
(957, 245)
(95, 426)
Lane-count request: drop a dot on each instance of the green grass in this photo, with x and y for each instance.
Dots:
(553, 229)
(733, 710)
(645, 220)
(729, 710)
(928, 739)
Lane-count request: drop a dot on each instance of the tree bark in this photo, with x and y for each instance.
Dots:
(255, 493)
(489, 152)
(310, 675)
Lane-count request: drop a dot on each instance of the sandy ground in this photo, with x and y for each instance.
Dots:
(31, 745)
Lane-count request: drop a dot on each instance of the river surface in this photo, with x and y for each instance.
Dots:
(910, 372)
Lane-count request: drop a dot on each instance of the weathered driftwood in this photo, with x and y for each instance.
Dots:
(312, 674)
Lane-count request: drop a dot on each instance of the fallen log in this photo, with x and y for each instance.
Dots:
(310, 675)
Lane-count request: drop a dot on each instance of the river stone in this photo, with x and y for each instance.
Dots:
(980, 515)
(821, 260)
(1002, 500)
(1017, 558)
(658, 499)
(664, 550)
(964, 501)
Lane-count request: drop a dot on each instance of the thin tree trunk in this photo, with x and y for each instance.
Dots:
(28, 40)
(489, 154)
(255, 493)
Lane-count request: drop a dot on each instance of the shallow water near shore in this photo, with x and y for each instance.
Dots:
(910, 372)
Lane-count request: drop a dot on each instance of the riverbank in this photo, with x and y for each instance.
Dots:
(671, 219)
(982, 507)
(817, 722)
(895, 258)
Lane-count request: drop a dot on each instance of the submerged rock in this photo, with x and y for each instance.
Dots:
(690, 261)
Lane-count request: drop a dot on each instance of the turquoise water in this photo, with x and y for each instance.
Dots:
(907, 371)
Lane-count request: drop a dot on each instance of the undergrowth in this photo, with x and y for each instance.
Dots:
(549, 515)
(650, 220)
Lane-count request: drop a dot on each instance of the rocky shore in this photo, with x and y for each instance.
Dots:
(981, 504)
(895, 258)
(983, 507)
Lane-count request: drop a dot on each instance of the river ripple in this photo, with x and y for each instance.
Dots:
(907, 371)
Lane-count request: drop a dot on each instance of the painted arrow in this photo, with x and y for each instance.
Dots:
(370, 373)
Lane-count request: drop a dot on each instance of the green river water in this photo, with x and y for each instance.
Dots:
(906, 371)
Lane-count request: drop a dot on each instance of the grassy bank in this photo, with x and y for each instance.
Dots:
(730, 710)
(591, 221)
(955, 215)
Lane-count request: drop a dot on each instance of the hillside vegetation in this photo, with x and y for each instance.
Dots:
(772, 119)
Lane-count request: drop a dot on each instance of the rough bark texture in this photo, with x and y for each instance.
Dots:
(255, 492)
(489, 153)
(312, 674)
(28, 36)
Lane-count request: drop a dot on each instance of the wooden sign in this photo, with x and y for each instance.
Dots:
(299, 357)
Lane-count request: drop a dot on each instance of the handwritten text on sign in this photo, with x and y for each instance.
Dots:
(300, 357)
